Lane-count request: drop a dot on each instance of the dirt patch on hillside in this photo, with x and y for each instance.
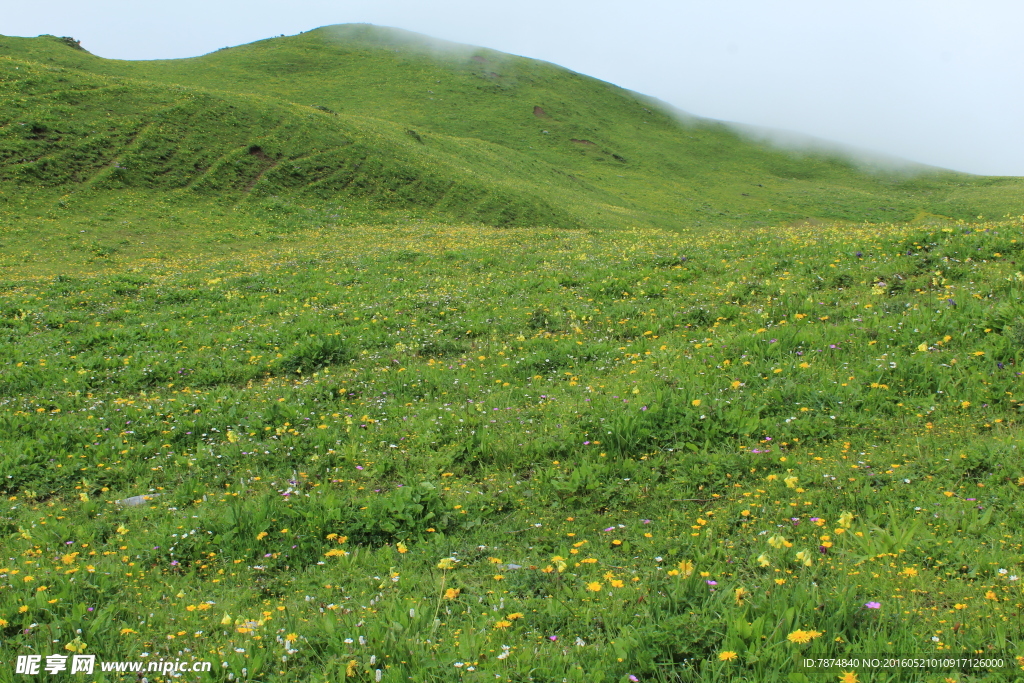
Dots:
(540, 113)
(258, 152)
(583, 143)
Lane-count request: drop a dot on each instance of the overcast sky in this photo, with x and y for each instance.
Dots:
(934, 81)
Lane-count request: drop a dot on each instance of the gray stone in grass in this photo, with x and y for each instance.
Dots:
(137, 500)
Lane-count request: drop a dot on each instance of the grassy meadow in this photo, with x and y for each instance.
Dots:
(513, 378)
(456, 452)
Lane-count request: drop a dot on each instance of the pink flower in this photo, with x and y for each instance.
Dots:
(873, 605)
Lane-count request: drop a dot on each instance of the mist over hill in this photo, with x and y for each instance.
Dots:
(384, 119)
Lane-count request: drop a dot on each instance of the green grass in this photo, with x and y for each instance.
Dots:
(555, 410)
(419, 392)
(359, 114)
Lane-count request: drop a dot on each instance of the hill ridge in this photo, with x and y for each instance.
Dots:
(519, 141)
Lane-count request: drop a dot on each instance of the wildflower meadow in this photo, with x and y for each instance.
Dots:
(414, 450)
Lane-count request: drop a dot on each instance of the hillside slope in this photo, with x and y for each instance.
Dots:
(361, 113)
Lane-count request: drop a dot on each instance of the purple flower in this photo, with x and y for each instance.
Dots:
(633, 678)
(552, 638)
(873, 605)
(712, 583)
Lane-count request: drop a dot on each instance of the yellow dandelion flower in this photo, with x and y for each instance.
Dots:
(802, 637)
(594, 586)
(727, 656)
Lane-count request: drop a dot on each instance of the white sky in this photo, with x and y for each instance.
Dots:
(934, 81)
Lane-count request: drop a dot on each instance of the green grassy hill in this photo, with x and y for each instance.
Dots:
(361, 116)
(274, 398)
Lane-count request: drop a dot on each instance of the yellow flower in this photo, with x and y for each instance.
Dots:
(452, 593)
(122, 530)
(291, 637)
(686, 567)
(226, 621)
(350, 669)
(848, 677)
(617, 583)
(695, 402)
(402, 548)
(740, 594)
(802, 637)
(261, 535)
(336, 552)
(515, 615)
(502, 624)
(791, 482)
(804, 557)
(446, 563)
(845, 520)
(126, 631)
(594, 586)
(763, 561)
(909, 571)
(3, 622)
(727, 656)
(23, 609)
(498, 577)
(777, 541)
(990, 595)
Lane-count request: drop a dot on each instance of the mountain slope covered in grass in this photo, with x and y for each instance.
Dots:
(385, 119)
